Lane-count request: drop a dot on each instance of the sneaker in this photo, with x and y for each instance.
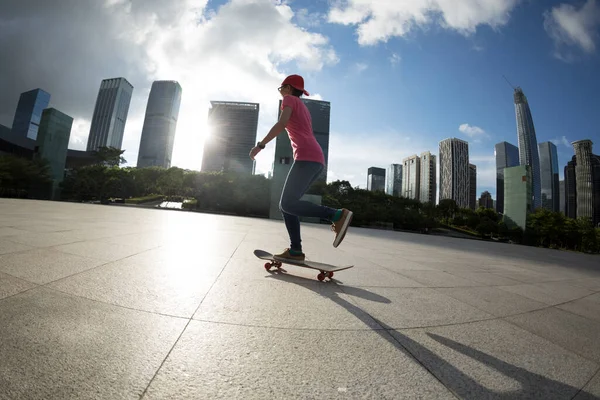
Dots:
(341, 226)
(290, 255)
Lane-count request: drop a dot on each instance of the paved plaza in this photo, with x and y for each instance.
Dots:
(115, 302)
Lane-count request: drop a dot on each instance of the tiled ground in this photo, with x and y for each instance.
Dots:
(108, 302)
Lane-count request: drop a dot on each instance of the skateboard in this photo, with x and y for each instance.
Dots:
(325, 270)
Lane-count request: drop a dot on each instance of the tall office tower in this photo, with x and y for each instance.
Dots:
(454, 171)
(29, 113)
(320, 113)
(561, 195)
(428, 178)
(486, 200)
(583, 178)
(110, 114)
(160, 124)
(411, 180)
(376, 179)
(528, 148)
(507, 155)
(472, 186)
(233, 133)
(571, 189)
(518, 198)
(393, 179)
(52, 143)
(549, 176)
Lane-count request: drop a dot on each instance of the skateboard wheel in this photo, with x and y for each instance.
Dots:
(321, 276)
(331, 275)
(268, 266)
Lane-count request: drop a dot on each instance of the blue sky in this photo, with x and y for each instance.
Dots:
(400, 75)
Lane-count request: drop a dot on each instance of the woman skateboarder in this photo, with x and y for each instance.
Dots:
(309, 161)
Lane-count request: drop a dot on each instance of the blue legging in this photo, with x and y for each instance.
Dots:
(301, 176)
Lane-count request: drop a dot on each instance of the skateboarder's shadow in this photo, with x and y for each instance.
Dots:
(532, 385)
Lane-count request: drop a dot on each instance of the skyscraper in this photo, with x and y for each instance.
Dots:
(507, 155)
(160, 124)
(571, 189)
(376, 179)
(394, 180)
(528, 148)
(561, 196)
(549, 176)
(454, 171)
(411, 180)
(29, 113)
(517, 203)
(320, 113)
(110, 114)
(52, 143)
(584, 179)
(486, 200)
(233, 133)
(472, 186)
(428, 178)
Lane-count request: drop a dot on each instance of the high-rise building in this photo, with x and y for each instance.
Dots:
(472, 186)
(376, 179)
(454, 171)
(160, 124)
(110, 114)
(29, 113)
(507, 155)
(428, 178)
(517, 195)
(320, 114)
(411, 180)
(584, 179)
(571, 189)
(233, 133)
(549, 176)
(528, 147)
(486, 200)
(52, 144)
(393, 185)
(561, 196)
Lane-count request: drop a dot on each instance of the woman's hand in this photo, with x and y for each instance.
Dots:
(255, 150)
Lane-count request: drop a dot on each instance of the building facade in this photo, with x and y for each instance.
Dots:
(506, 155)
(160, 124)
(233, 133)
(571, 189)
(549, 176)
(29, 113)
(472, 186)
(320, 114)
(376, 179)
(110, 114)
(584, 178)
(454, 171)
(561, 188)
(518, 199)
(486, 200)
(528, 147)
(411, 179)
(428, 180)
(393, 177)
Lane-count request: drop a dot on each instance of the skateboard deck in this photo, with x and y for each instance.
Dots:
(325, 270)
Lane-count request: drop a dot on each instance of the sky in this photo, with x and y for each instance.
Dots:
(401, 75)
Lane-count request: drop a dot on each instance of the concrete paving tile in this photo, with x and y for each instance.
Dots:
(56, 346)
(573, 332)
(588, 307)
(10, 231)
(417, 307)
(486, 278)
(213, 361)
(46, 239)
(9, 285)
(44, 265)
(172, 288)
(550, 292)
(592, 390)
(6, 247)
(526, 276)
(588, 283)
(493, 301)
(496, 360)
(104, 251)
(439, 279)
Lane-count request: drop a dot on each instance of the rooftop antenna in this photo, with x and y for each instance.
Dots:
(510, 84)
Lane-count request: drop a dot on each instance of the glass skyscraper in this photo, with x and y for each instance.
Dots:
(454, 171)
(517, 203)
(320, 114)
(160, 123)
(376, 179)
(411, 180)
(528, 147)
(110, 114)
(507, 155)
(393, 177)
(233, 133)
(472, 186)
(29, 113)
(549, 176)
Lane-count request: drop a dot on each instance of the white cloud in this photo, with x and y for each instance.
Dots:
(378, 21)
(473, 132)
(395, 59)
(360, 67)
(569, 26)
(309, 19)
(564, 141)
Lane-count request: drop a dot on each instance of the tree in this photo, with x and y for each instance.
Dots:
(447, 208)
(109, 156)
